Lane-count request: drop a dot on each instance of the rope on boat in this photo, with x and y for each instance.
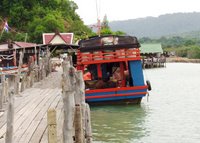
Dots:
(147, 96)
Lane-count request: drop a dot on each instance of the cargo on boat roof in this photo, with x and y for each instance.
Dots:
(110, 42)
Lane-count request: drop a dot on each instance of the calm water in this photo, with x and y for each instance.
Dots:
(172, 114)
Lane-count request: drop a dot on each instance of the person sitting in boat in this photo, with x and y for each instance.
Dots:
(87, 76)
(93, 70)
(117, 77)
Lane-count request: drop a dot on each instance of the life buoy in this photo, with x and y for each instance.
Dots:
(149, 85)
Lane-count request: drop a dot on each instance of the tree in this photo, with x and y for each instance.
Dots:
(105, 29)
(104, 24)
(35, 17)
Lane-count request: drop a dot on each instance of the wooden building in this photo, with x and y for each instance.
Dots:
(58, 38)
(152, 55)
(9, 52)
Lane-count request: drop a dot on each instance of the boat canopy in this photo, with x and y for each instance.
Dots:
(110, 42)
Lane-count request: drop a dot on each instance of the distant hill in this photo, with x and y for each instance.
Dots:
(164, 25)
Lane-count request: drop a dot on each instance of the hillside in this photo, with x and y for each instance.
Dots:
(164, 25)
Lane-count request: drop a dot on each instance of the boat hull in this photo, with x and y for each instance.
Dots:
(124, 95)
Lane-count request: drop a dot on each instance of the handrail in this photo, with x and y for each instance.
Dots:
(108, 55)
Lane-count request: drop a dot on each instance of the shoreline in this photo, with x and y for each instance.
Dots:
(181, 60)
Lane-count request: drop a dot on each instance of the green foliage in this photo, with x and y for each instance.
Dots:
(21, 37)
(183, 47)
(35, 17)
(194, 52)
(120, 33)
(6, 35)
(81, 31)
(191, 52)
(182, 52)
(106, 31)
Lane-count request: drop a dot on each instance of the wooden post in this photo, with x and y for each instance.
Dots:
(6, 90)
(43, 69)
(40, 69)
(49, 66)
(36, 73)
(10, 118)
(15, 84)
(35, 55)
(3, 84)
(1, 98)
(32, 78)
(28, 81)
(88, 125)
(68, 89)
(2, 94)
(23, 82)
(21, 55)
(52, 126)
(79, 137)
(80, 91)
(80, 97)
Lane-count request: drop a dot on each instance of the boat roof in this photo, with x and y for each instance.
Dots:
(108, 42)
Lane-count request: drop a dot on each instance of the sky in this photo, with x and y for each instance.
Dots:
(89, 10)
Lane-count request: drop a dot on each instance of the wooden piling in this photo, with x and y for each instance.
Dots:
(79, 137)
(21, 55)
(88, 125)
(10, 118)
(28, 82)
(32, 78)
(80, 97)
(43, 69)
(80, 88)
(2, 94)
(23, 83)
(6, 90)
(68, 89)
(52, 126)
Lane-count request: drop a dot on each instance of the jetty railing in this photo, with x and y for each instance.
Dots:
(76, 122)
(75, 109)
(12, 84)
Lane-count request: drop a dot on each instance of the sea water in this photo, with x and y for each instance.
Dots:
(170, 114)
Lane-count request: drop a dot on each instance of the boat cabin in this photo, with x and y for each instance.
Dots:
(112, 69)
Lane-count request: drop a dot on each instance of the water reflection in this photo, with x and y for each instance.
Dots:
(118, 124)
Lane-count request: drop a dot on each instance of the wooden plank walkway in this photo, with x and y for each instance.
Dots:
(30, 112)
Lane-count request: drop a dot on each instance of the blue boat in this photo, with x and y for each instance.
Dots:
(112, 70)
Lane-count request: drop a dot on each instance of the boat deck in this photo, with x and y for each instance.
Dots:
(30, 112)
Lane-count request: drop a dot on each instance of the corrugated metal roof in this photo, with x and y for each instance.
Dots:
(151, 48)
(16, 45)
(25, 44)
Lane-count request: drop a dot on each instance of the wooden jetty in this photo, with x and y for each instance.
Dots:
(152, 55)
(154, 62)
(49, 107)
